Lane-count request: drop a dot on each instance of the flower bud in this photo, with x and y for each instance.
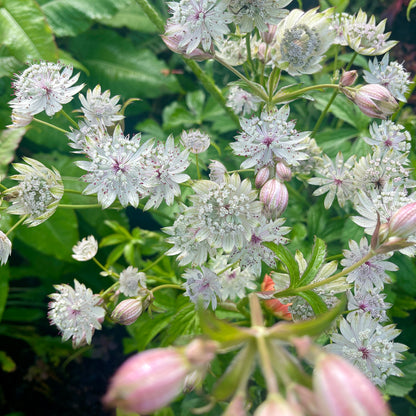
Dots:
(374, 100)
(217, 171)
(5, 248)
(342, 390)
(283, 172)
(348, 78)
(275, 197)
(262, 177)
(269, 35)
(237, 406)
(402, 223)
(149, 380)
(274, 305)
(127, 311)
(277, 405)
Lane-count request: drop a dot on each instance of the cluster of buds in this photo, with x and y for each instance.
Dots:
(128, 310)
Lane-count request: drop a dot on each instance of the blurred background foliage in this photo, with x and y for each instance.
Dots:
(113, 43)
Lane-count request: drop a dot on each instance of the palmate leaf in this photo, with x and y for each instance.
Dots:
(23, 29)
(71, 17)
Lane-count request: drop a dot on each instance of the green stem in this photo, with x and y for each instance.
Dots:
(230, 266)
(248, 47)
(16, 224)
(281, 97)
(197, 166)
(3, 187)
(73, 191)
(296, 290)
(154, 263)
(109, 289)
(240, 171)
(69, 118)
(102, 267)
(407, 95)
(170, 286)
(152, 14)
(50, 125)
(86, 206)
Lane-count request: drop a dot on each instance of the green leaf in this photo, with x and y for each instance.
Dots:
(411, 5)
(286, 257)
(24, 31)
(55, 237)
(315, 263)
(195, 101)
(14, 314)
(113, 239)
(4, 288)
(318, 305)
(176, 115)
(401, 386)
(6, 363)
(9, 142)
(8, 64)
(115, 63)
(115, 254)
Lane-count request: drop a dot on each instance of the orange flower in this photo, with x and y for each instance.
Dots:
(279, 309)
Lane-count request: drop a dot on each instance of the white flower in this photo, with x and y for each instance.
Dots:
(371, 274)
(225, 214)
(167, 163)
(202, 286)
(20, 120)
(78, 138)
(300, 41)
(369, 346)
(132, 281)
(336, 180)
(118, 169)
(232, 51)
(390, 75)
(200, 22)
(99, 109)
(371, 302)
(367, 38)
(38, 193)
(339, 24)
(269, 139)
(5, 248)
(195, 140)
(85, 249)
(389, 135)
(44, 86)
(217, 171)
(241, 101)
(76, 312)
(249, 14)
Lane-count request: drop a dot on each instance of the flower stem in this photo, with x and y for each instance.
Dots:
(152, 14)
(16, 224)
(50, 125)
(282, 96)
(86, 206)
(3, 187)
(170, 286)
(102, 267)
(154, 263)
(69, 118)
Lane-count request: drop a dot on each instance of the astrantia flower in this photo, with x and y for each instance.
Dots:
(254, 252)
(85, 249)
(300, 41)
(44, 86)
(389, 135)
(369, 346)
(20, 120)
(132, 281)
(202, 286)
(249, 14)
(390, 75)
(232, 51)
(339, 25)
(367, 38)
(195, 140)
(241, 101)
(76, 312)
(371, 302)
(167, 163)
(5, 248)
(99, 109)
(225, 214)
(78, 138)
(336, 179)
(38, 193)
(269, 139)
(117, 169)
(217, 171)
(371, 274)
(199, 22)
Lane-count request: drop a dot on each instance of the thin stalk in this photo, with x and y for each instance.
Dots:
(169, 286)
(152, 14)
(17, 224)
(112, 274)
(85, 206)
(248, 47)
(3, 187)
(281, 97)
(50, 125)
(73, 191)
(230, 266)
(153, 264)
(69, 118)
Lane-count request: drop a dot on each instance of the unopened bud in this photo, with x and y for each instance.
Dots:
(269, 35)
(402, 223)
(283, 172)
(201, 352)
(262, 177)
(237, 406)
(342, 390)
(127, 311)
(277, 405)
(217, 171)
(148, 381)
(374, 100)
(5, 248)
(275, 197)
(348, 78)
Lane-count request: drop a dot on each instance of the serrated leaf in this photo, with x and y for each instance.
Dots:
(316, 302)
(9, 142)
(286, 257)
(24, 31)
(316, 261)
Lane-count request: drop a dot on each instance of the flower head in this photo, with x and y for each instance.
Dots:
(85, 249)
(5, 248)
(132, 281)
(195, 140)
(76, 312)
(241, 101)
(38, 193)
(300, 41)
(44, 87)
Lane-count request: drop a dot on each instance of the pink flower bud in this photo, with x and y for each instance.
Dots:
(402, 223)
(283, 172)
(342, 390)
(277, 405)
(127, 311)
(148, 381)
(374, 100)
(262, 177)
(348, 78)
(275, 197)
(237, 406)
(269, 35)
